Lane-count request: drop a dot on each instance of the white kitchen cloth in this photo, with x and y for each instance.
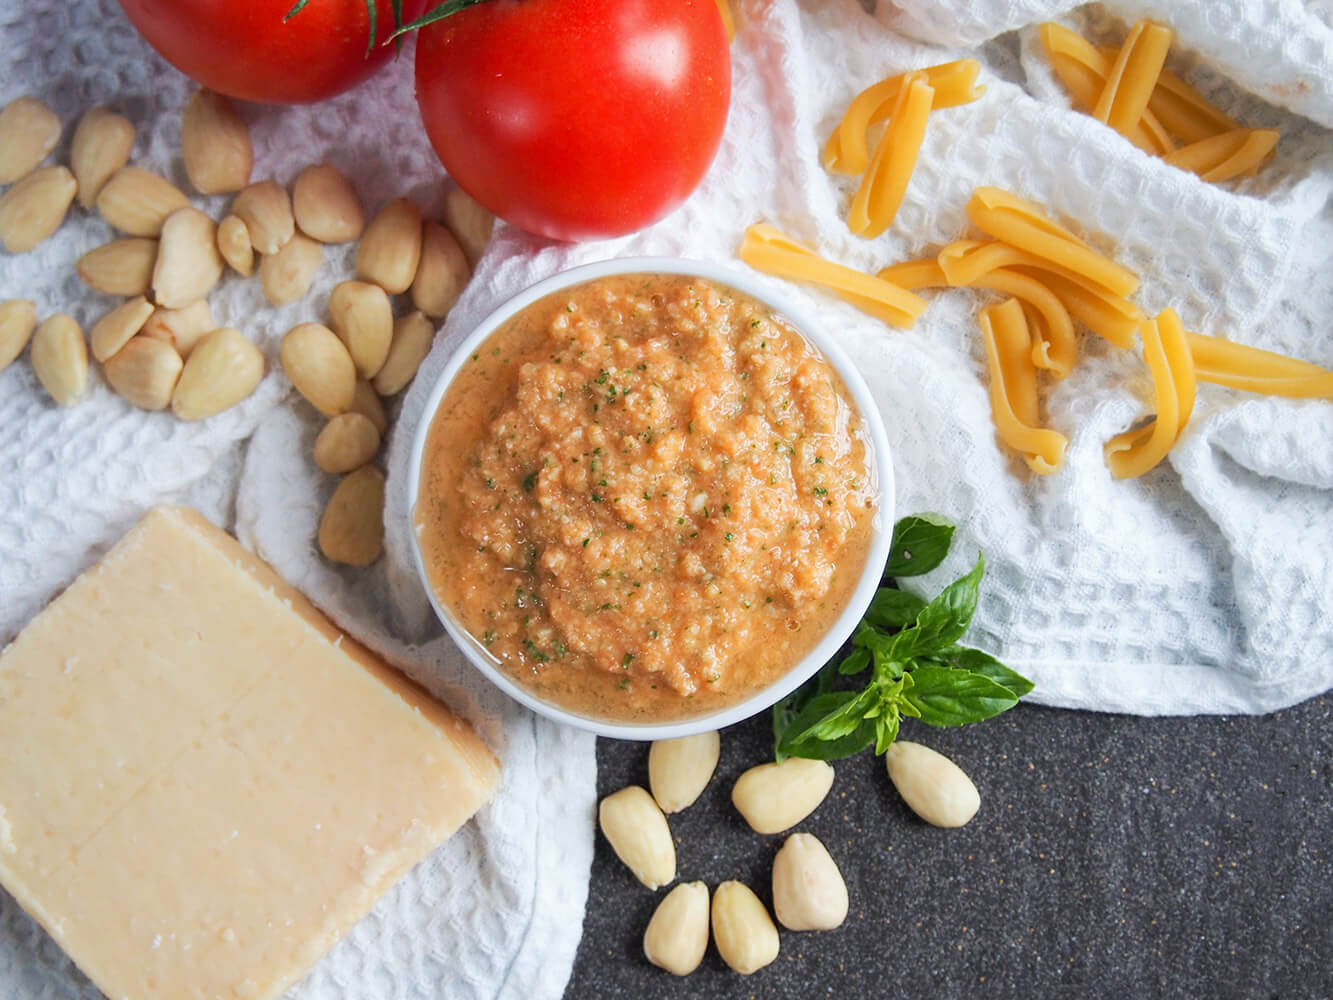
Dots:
(1202, 587)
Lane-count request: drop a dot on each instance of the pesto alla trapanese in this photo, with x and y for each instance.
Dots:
(646, 496)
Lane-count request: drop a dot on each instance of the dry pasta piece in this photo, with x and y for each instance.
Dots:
(1083, 70)
(1056, 349)
(848, 151)
(876, 202)
(1230, 154)
(1168, 356)
(1133, 75)
(1022, 224)
(1013, 388)
(1111, 317)
(767, 249)
(1186, 112)
(1250, 369)
(915, 274)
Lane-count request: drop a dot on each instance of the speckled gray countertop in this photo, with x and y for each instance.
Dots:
(1112, 856)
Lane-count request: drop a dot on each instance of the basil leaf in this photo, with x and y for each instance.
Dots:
(886, 731)
(943, 621)
(920, 543)
(980, 662)
(846, 746)
(828, 716)
(947, 696)
(855, 662)
(893, 608)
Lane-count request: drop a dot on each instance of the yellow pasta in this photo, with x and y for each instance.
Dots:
(1133, 75)
(915, 274)
(847, 150)
(1013, 388)
(1111, 317)
(1022, 225)
(877, 200)
(1168, 356)
(1250, 369)
(1186, 112)
(767, 249)
(1083, 70)
(1230, 154)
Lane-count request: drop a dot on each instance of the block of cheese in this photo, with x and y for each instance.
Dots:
(203, 783)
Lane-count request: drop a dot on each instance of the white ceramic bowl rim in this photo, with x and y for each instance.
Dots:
(881, 529)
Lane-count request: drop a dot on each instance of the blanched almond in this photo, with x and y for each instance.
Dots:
(60, 358)
(362, 316)
(319, 366)
(181, 328)
(114, 330)
(413, 335)
(348, 441)
(933, 786)
(677, 935)
(442, 271)
(144, 372)
(121, 267)
(637, 831)
(101, 146)
(679, 769)
(216, 144)
(267, 213)
(287, 274)
(809, 893)
(34, 208)
(18, 318)
(326, 206)
(223, 369)
(138, 201)
(188, 263)
(469, 222)
(367, 402)
(775, 797)
(391, 246)
(745, 935)
(29, 130)
(352, 528)
(234, 245)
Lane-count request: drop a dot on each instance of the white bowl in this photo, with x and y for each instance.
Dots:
(881, 532)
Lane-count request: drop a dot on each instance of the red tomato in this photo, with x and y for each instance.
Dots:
(576, 119)
(243, 48)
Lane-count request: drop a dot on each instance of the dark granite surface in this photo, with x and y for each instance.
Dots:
(1113, 856)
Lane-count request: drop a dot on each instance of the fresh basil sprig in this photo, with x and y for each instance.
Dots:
(910, 649)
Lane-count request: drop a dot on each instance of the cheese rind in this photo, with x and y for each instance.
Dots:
(206, 784)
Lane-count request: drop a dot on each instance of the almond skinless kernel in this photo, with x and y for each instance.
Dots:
(326, 206)
(366, 401)
(469, 222)
(287, 274)
(348, 441)
(319, 367)
(775, 797)
(29, 130)
(677, 934)
(745, 935)
(114, 330)
(442, 271)
(101, 146)
(267, 213)
(352, 528)
(391, 247)
(181, 328)
(679, 769)
(121, 267)
(362, 316)
(809, 893)
(637, 831)
(223, 369)
(144, 372)
(138, 201)
(188, 263)
(234, 245)
(412, 336)
(60, 358)
(18, 318)
(216, 144)
(933, 786)
(34, 208)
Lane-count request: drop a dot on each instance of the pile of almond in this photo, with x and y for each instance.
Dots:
(160, 348)
(809, 893)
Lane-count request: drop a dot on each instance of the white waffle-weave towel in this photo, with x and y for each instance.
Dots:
(1203, 587)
